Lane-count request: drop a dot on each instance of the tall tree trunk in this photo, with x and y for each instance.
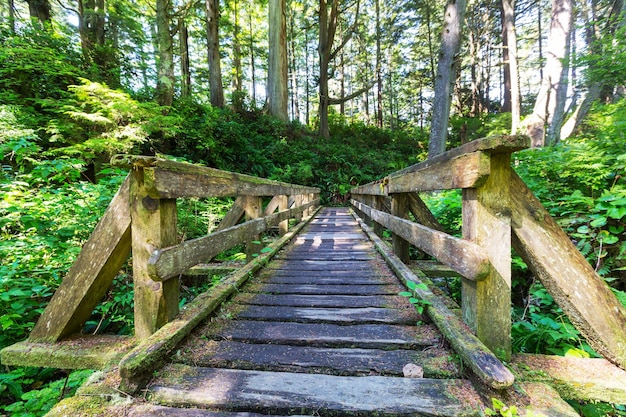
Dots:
(11, 7)
(327, 26)
(238, 95)
(295, 105)
(511, 69)
(277, 72)
(447, 68)
(308, 78)
(550, 103)
(40, 11)
(185, 78)
(252, 61)
(165, 63)
(379, 77)
(596, 87)
(213, 48)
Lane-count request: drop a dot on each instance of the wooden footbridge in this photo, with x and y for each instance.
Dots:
(314, 324)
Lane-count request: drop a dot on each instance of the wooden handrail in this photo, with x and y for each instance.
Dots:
(141, 220)
(498, 209)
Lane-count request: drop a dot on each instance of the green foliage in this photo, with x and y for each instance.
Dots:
(37, 402)
(418, 303)
(501, 409)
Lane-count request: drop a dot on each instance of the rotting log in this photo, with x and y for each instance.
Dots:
(464, 257)
(584, 297)
(485, 365)
(91, 275)
(486, 303)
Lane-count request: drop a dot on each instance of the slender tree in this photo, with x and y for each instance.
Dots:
(447, 68)
(165, 63)
(513, 102)
(550, 103)
(277, 74)
(215, 69)
(185, 72)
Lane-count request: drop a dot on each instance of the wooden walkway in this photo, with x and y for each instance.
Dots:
(321, 331)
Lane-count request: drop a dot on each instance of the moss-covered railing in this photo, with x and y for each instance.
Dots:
(499, 213)
(141, 220)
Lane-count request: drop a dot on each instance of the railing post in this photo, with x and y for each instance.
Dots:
(153, 226)
(377, 203)
(253, 207)
(399, 208)
(486, 303)
(283, 204)
(297, 202)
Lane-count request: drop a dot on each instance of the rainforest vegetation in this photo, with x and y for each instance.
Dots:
(328, 93)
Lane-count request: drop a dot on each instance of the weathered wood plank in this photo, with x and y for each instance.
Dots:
(233, 215)
(376, 336)
(485, 365)
(586, 379)
(295, 300)
(316, 314)
(329, 289)
(153, 226)
(492, 145)
(421, 212)
(464, 171)
(486, 304)
(253, 207)
(170, 179)
(282, 392)
(77, 352)
(436, 362)
(566, 274)
(463, 256)
(171, 261)
(91, 275)
(399, 209)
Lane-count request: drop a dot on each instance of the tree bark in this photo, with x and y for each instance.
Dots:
(213, 48)
(165, 63)
(550, 103)
(379, 77)
(238, 96)
(277, 73)
(511, 69)
(40, 11)
(447, 68)
(185, 78)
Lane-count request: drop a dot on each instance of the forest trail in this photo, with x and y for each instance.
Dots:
(321, 331)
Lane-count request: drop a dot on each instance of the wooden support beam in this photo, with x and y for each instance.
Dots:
(153, 226)
(233, 215)
(272, 205)
(283, 204)
(586, 299)
(486, 304)
(253, 207)
(400, 208)
(421, 212)
(466, 258)
(91, 275)
(377, 204)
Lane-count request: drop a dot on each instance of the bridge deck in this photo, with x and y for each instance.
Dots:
(321, 331)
